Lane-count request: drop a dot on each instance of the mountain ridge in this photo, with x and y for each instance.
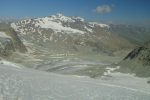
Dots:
(71, 32)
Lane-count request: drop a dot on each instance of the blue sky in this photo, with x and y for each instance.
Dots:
(116, 11)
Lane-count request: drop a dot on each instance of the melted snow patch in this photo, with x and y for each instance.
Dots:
(110, 70)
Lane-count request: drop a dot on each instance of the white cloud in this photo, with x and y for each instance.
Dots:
(103, 9)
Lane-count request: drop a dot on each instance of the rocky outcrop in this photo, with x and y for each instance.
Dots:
(9, 41)
(137, 61)
(141, 54)
(133, 54)
(6, 46)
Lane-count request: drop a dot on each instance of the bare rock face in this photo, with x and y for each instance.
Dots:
(141, 54)
(133, 54)
(9, 41)
(6, 47)
(137, 61)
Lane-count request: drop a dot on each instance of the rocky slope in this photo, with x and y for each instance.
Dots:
(138, 61)
(141, 54)
(9, 41)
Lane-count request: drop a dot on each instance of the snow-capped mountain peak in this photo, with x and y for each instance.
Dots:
(61, 17)
(78, 19)
(99, 24)
(58, 24)
(53, 22)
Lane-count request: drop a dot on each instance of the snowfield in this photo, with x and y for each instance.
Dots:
(57, 26)
(26, 84)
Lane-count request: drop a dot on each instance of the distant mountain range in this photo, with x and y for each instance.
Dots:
(135, 34)
(74, 34)
(59, 32)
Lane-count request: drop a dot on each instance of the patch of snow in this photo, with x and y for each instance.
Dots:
(128, 80)
(79, 18)
(14, 26)
(4, 35)
(88, 29)
(92, 24)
